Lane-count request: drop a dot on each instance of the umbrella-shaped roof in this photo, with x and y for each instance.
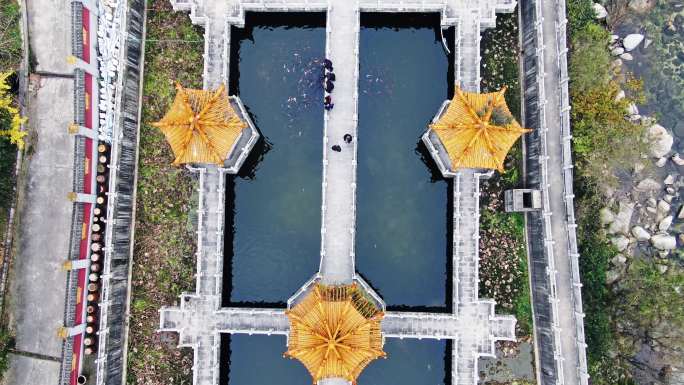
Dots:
(201, 126)
(478, 130)
(335, 332)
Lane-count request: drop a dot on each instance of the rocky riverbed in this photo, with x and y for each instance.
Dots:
(644, 216)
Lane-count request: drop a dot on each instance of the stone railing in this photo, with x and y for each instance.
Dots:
(566, 140)
(547, 323)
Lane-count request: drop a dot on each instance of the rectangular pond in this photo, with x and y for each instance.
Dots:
(404, 210)
(273, 207)
(258, 360)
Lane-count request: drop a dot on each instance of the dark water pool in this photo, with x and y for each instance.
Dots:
(403, 216)
(258, 360)
(273, 235)
(273, 211)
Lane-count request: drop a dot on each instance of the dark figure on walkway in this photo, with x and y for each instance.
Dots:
(328, 106)
(330, 76)
(347, 138)
(327, 99)
(327, 64)
(336, 148)
(329, 86)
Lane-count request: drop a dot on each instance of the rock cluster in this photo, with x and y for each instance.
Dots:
(623, 46)
(644, 218)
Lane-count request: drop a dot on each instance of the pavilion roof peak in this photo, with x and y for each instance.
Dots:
(477, 130)
(335, 332)
(201, 126)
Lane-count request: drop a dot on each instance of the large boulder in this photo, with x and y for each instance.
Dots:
(642, 6)
(606, 216)
(661, 140)
(640, 234)
(664, 242)
(632, 109)
(665, 223)
(627, 56)
(678, 160)
(621, 242)
(663, 207)
(619, 260)
(617, 51)
(600, 11)
(648, 185)
(631, 41)
(624, 216)
(612, 276)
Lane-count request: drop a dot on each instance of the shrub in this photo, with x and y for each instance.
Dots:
(590, 60)
(10, 120)
(6, 345)
(10, 35)
(580, 14)
(603, 140)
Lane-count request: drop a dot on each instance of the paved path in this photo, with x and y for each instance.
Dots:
(208, 288)
(564, 288)
(211, 220)
(395, 324)
(339, 174)
(216, 55)
(37, 283)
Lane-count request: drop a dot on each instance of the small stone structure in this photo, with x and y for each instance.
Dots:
(521, 200)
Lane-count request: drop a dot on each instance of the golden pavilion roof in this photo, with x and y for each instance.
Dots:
(201, 126)
(335, 332)
(478, 130)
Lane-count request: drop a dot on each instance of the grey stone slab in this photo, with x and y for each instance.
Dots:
(38, 286)
(49, 27)
(31, 371)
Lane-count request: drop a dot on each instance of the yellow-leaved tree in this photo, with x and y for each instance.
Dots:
(10, 119)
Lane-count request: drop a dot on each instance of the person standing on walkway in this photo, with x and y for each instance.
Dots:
(348, 138)
(336, 148)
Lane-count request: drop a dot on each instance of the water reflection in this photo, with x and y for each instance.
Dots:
(273, 234)
(403, 218)
(273, 206)
(258, 360)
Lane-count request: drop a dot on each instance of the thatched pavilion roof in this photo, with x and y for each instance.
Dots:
(201, 126)
(335, 332)
(478, 130)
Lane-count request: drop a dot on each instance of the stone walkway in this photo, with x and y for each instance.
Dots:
(37, 291)
(339, 171)
(564, 286)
